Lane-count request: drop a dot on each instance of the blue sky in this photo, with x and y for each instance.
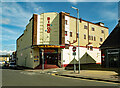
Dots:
(16, 15)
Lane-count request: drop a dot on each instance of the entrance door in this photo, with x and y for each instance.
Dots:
(113, 58)
(51, 56)
(51, 59)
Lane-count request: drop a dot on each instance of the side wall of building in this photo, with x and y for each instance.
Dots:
(27, 56)
(86, 56)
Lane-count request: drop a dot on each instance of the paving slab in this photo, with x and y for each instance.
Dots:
(93, 74)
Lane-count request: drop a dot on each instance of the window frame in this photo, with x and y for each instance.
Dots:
(66, 22)
(70, 34)
(91, 48)
(65, 33)
(85, 27)
(94, 38)
(84, 36)
(93, 29)
(102, 31)
(101, 39)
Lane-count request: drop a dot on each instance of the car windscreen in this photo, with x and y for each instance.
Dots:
(12, 63)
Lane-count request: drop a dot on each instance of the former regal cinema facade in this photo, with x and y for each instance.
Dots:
(52, 36)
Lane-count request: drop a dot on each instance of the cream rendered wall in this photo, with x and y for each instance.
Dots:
(36, 53)
(72, 29)
(67, 28)
(25, 54)
(38, 30)
(82, 31)
(53, 36)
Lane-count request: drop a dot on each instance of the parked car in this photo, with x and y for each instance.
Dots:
(12, 65)
(2, 63)
(6, 64)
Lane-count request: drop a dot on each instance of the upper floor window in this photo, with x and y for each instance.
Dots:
(91, 48)
(93, 29)
(65, 33)
(102, 31)
(94, 38)
(90, 37)
(101, 39)
(84, 36)
(85, 27)
(70, 34)
(77, 35)
(66, 22)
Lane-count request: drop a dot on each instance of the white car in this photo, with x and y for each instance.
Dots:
(2, 63)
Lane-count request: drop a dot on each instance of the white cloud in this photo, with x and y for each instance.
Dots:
(7, 30)
(16, 15)
(109, 14)
(60, 0)
(75, 1)
(8, 34)
(4, 52)
(5, 21)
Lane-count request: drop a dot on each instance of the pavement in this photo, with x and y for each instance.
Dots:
(109, 76)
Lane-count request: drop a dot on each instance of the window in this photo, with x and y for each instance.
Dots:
(93, 29)
(65, 33)
(77, 35)
(101, 39)
(102, 31)
(88, 47)
(66, 22)
(94, 38)
(85, 27)
(70, 34)
(90, 37)
(91, 48)
(84, 36)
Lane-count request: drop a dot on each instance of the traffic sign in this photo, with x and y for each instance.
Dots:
(74, 53)
(74, 48)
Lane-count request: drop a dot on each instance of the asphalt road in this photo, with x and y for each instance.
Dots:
(25, 78)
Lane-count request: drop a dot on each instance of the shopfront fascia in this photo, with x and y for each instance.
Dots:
(50, 54)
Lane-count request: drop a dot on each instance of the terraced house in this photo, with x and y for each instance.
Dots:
(52, 36)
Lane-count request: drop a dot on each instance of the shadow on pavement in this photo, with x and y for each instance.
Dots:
(92, 67)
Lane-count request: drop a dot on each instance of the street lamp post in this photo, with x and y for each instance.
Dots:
(78, 35)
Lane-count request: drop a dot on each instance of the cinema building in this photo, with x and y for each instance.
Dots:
(52, 36)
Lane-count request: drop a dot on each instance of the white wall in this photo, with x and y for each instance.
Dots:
(67, 27)
(67, 54)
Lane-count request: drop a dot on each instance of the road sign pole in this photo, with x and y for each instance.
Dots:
(74, 53)
(74, 65)
(42, 59)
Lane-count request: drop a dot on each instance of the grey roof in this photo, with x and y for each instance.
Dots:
(113, 40)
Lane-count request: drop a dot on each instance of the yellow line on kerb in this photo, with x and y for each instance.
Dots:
(83, 79)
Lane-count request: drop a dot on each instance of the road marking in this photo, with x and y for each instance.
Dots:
(84, 79)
